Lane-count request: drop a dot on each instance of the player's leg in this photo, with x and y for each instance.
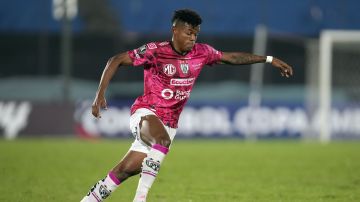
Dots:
(154, 134)
(152, 138)
(152, 131)
(130, 165)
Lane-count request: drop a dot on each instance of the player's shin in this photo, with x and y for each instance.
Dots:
(102, 189)
(150, 169)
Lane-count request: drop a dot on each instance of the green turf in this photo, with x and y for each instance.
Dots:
(195, 170)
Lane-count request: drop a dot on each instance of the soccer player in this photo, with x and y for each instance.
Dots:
(170, 70)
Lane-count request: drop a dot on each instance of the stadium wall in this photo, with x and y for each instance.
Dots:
(40, 56)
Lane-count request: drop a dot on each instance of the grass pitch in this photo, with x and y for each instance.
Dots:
(195, 170)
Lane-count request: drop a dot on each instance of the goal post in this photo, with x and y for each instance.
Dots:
(327, 40)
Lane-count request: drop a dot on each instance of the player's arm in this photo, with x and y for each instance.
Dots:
(241, 58)
(112, 65)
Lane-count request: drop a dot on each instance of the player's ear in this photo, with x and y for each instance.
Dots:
(173, 29)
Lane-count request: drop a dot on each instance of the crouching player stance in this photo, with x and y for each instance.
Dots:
(170, 70)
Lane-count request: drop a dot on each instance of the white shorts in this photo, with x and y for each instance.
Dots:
(138, 145)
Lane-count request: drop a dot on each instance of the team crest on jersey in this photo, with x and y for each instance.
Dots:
(184, 68)
(169, 69)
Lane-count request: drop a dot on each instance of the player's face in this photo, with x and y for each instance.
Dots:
(185, 36)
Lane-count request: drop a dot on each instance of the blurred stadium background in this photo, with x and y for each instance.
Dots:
(52, 54)
(51, 65)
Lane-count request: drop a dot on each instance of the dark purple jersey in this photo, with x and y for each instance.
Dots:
(169, 77)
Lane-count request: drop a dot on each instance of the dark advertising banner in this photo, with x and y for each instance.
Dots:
(23, 118)
(14, 118)
(220, 119)
(217, 119)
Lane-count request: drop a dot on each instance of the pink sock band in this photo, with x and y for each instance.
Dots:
(161, 148)
(114, 178)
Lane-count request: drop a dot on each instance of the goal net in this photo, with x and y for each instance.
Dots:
(339, 85)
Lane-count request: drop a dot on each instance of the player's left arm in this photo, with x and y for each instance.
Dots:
(242, 58)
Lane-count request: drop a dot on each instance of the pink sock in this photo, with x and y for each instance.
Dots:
(102, 189)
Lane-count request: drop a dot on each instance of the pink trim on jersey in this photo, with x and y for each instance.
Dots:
(114, 178)
(161, 148)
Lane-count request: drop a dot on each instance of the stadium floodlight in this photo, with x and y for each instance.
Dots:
(329, 41)
(62, 8)
(257, 71)
(65, 11)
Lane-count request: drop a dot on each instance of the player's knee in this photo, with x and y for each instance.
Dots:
(164, 141)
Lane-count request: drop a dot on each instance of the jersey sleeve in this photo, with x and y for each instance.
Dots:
(143, 55)
(214, 55)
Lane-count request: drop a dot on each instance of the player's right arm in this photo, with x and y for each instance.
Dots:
(111, 67)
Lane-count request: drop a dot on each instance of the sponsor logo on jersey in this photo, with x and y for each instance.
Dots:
(141, 50)
(182, 82)
(136, 54)
(182, 95)
(167, 93)
(197, 66)
(184, 68)
(169, 69)
(152, 46)
(164, 43)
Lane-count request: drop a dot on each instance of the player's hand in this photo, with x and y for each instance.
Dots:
(99, 102)
(285, 69)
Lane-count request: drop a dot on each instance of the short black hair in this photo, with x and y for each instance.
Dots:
(188, 16)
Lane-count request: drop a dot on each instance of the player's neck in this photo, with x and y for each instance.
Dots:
(176, 48)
